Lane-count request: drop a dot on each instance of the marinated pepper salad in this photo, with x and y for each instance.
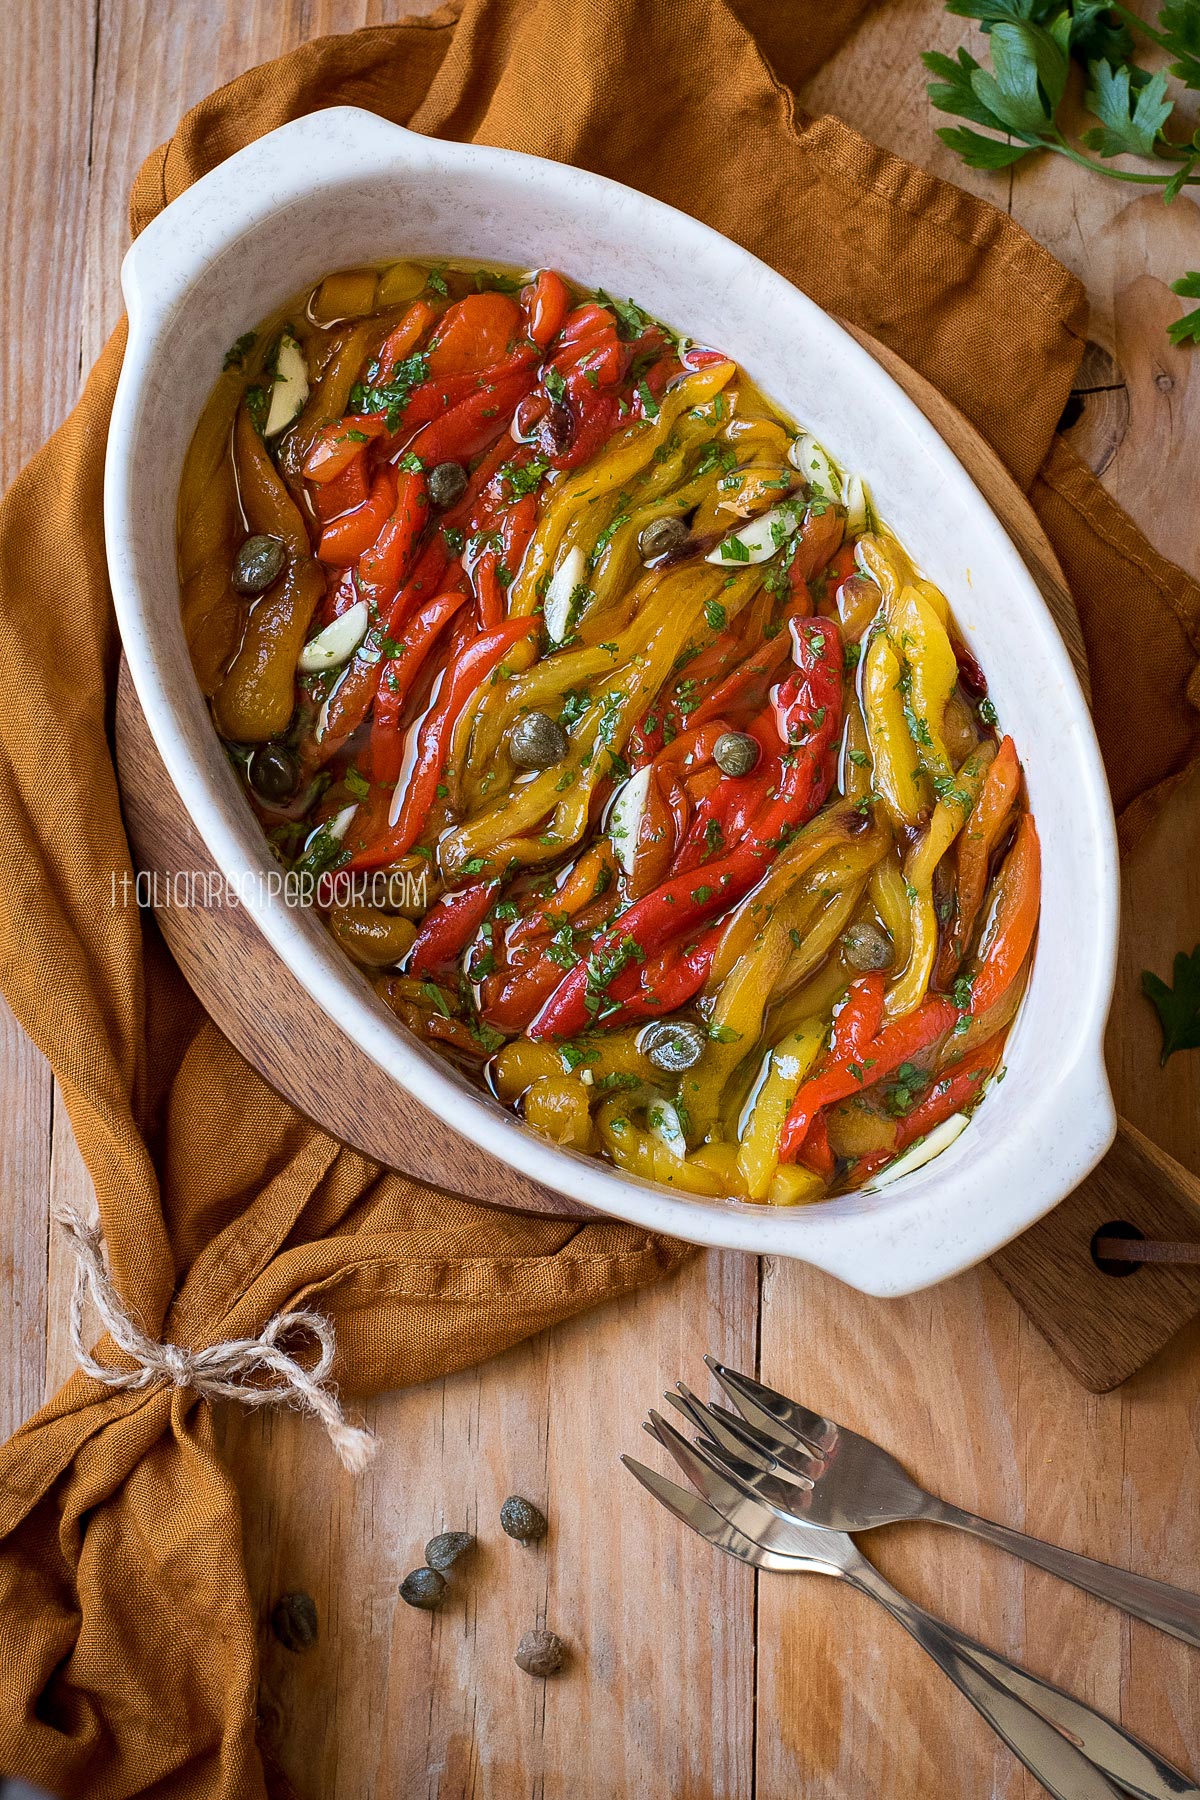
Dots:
(666, 800)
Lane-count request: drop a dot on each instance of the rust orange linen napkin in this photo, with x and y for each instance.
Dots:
(127, 1639)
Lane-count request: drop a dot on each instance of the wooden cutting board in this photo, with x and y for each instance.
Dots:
(1103, 1327)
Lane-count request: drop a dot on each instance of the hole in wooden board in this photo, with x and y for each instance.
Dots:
(1116, 1228)
(1096, 416)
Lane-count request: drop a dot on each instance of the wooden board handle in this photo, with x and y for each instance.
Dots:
(1105, 1323)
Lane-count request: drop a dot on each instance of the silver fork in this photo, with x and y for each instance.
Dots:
(815, 1471)
(1072, 1750)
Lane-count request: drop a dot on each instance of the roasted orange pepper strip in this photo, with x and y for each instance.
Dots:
(1009, 931)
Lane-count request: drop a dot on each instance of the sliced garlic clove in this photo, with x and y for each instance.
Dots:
(339, 825)
(568, 576)
(665, 1125)
(760, 539)
(625, 817)
(813, 463)
(289, 391)
(337, 643)
(858, 505)
(923, 1151)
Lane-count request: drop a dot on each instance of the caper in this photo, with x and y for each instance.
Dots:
(540, 1653)
(673, 1045)
(258, 564)
(867, 947)
(537, 742)
(736, 753)
(274, 772)
(661, 537)
(521, 1519)
(447, 483)
(423, 1588)
(445, 1548)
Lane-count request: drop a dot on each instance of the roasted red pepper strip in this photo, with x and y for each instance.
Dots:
(433, 399)
(473, 333)
(816, 1152)
(976, 841)
(459, 683)
(396, 678)
(1009, 931)
(337, 445)
(383, 566)
(344, 540)
(951, 1093)
(350, 701)
(545, 300)
(475, 423)
(449, 926)
(345, 491)
(405, 338)
(585, 321)
(665, 982)
(488, 575)
(866, 1059)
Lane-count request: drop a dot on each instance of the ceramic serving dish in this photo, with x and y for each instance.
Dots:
(345, 187)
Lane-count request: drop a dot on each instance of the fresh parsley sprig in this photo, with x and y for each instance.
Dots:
(1019, 99)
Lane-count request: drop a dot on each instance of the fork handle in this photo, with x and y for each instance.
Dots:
(1172, 1609)
(1075, 1752)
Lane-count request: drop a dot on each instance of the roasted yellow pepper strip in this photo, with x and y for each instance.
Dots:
(257, 696)
(887, 564)
(787, 1066)
(835, 908)
(816, 999)
(890, 901)
(932, 675)
(897, 772)
(949, 816)
(615, 468)
(641, 1153)
(838, 826)
(734, 1027)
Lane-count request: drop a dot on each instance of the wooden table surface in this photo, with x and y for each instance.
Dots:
(688, 1678)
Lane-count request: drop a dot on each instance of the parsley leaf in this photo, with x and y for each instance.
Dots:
(1188, 326)
(1130, 121)
(391, 396)
(235, 356)
(1177, 1006)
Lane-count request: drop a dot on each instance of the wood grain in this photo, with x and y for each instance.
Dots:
(661, 1694)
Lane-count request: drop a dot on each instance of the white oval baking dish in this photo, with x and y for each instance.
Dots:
(344, 187)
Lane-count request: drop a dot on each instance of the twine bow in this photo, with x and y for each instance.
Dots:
(220, 1372)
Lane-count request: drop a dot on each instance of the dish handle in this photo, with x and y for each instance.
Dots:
(274, 171)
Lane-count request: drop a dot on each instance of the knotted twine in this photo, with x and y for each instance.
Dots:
(223, 1371)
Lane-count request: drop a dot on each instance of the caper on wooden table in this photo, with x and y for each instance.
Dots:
(521, 1519)
(423, 1588)
(258, 564)
(537, 742)
(673, 1045)
(274, 772)
(447, 482)
(661, 537)
(540, 1653)
(736, 753)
